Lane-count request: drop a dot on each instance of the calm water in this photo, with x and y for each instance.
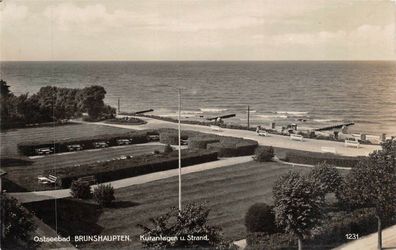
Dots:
(321, 93)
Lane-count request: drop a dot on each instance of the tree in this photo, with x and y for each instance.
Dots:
(91, 100)
(4, 88)
(297, 204)
(16, 224)
(372, 183)
(80, 190)
(188, 228)
(326, 177)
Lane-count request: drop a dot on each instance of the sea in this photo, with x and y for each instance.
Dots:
(312, 94)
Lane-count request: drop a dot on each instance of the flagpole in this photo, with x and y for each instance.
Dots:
(179, 128)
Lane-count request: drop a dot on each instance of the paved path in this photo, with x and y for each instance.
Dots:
(369, 242)
(25, 197)
(280, 141)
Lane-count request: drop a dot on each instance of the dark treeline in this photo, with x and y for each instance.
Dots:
(52, 104)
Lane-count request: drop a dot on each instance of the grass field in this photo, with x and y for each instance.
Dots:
(11, 138)
(228, 191)
(26, 176)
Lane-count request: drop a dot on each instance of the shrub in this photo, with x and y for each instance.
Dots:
(260, 241)
(169, 138)
(326, 177)
(168, 149)
(231, 147)
(104, 194)
(80, 190)
(16, 225)
(260, 218)
(201, 143)
(263, 154)
(317, 158)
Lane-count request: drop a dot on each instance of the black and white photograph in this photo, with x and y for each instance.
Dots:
(198, 124)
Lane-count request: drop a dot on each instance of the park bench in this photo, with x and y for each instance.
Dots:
(90, 179)
(44, 151)
(215, 128)
(101, 144)
(296, 137)
(262, 133)
(51, 179)
(123, 141)
(328, 150)
(153, 137)
(352, 143)
(75, 147)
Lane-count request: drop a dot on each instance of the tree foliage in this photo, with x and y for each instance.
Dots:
(326, 177)
(80, 190)
(298, 204)
(51, 104)
(104, 194)
(16, 224)
(179, 226)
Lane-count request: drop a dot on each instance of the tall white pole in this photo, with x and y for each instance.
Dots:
(180, 204)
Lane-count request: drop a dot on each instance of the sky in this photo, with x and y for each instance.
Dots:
(197, 30)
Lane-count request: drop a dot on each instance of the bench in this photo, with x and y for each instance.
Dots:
(215, 128)
(90, 179)
(296, 137)
(262, 133)
(350, 143)
(51, 179)
(328, 150)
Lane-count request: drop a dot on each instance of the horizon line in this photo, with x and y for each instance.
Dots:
(232, 60)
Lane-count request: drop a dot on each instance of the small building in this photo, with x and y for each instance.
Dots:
(2, 173)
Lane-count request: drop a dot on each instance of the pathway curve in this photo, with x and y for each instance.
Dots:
(25, 197)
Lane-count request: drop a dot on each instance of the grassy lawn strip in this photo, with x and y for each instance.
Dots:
(228, 191)
(11, 138)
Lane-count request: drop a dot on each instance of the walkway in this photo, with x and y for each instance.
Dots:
(26, 197)
(280, 141)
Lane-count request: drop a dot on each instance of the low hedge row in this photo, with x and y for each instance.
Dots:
(228, 148)
(201, 143)
(139, 165)
(28, 148)
(316, 158)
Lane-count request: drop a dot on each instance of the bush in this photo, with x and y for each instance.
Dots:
(326, 177)
(231, 147)
(264, 154)
(80, 190)
(259, 241)
(317, 158)
(168, 149)
(260, 218)
(104, 194)
(17, 225)
(201, 143)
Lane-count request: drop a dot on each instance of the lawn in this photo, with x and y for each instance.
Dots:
(26, 176)
(10, 138)
(228, 191)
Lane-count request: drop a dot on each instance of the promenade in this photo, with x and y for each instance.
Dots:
(280, 141)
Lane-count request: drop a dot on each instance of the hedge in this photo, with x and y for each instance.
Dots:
(139, 165)
(234, 147)
(316, 158)
(28, 148)
(201, 143)
(168, 138)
